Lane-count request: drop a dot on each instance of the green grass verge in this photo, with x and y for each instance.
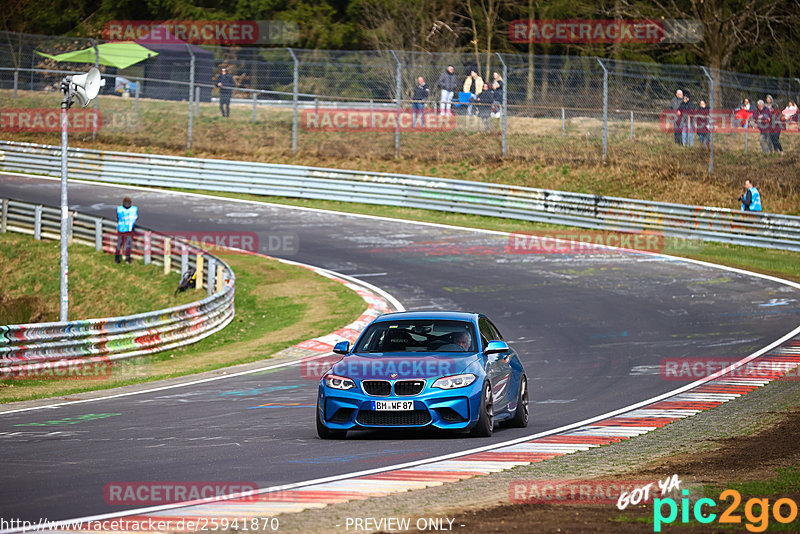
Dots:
(98, 287)
(277, 306)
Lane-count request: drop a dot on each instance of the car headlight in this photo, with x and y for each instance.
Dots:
(455, 381)
(339, 382)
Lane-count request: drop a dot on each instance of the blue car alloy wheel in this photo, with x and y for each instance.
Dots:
(444, 370)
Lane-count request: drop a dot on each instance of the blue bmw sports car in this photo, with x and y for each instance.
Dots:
(446, 370)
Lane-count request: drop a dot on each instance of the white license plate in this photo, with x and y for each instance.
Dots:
(392, 405)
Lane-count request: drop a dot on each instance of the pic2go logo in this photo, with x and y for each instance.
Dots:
(757, 522)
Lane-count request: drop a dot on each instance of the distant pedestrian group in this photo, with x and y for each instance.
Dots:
(690, 120)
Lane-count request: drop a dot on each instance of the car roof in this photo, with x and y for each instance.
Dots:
(433, 315)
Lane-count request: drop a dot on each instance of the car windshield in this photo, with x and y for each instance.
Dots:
(418, 335)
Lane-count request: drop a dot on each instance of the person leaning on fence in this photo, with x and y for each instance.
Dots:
(421, 93)
(763, 119)
(225, 83)
(497, 99)
(744, 113)
(127, 214)
(483, 102)
(751, 199)
(789, 113)
(474, 86)
(675, 105)
(687, 110)
(701, 123)
(447, 85)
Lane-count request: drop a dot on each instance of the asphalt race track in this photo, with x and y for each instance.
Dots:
(591, 330)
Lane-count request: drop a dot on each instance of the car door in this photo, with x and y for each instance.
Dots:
(497, 369)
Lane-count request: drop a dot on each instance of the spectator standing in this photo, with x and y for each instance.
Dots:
(447, 85)
(744, 112)
(474, 86)
(127, 214)
(675, 105)
(497, 98)
(789, 112)
(776, 124)
(751, 199)
(483, 102)
(687, 110)
(701, 122)
(763, 120)
(226, 84)
(421, 93)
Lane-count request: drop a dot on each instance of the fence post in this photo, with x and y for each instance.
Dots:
(295, 91)
(197, 101)
(148, 239)
(138, 91)
(167, 255)
(96, 100)
(505, 103)
(37, 222)
(631, 126)
(605, 108)
(184, 258)
(255, 102)
(212, 271)
(199, 264)
(98, 234)
(563, 123)
(220, 278)
(746, 131)
(4, 216)
(191, 95)
(398, 91)
(710, 112)
(16, 82)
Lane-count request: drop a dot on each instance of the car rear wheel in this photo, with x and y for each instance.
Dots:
(520, 419)
(326, 433)
(485, 425)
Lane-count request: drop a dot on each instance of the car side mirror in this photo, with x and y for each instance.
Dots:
(343, 347)
(496, 347)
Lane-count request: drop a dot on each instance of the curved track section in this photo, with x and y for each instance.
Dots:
(591, 329)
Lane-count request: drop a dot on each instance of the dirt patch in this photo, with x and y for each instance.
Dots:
(24, 309)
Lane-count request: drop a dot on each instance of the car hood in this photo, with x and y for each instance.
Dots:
(362, 366)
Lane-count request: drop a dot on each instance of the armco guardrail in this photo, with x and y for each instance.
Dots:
(460, 196)
(28, 348)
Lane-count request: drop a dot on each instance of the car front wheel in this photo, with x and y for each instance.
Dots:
(520, 419)
(485, 425)
(326, 433)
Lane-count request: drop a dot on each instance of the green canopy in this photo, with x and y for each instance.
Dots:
(121, 55)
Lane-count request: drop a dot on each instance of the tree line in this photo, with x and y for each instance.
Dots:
(750, 36)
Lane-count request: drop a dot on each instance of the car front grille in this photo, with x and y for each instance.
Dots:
(405, 418)
(408, 387)
(377, 388)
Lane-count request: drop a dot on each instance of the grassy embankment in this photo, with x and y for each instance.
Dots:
(277, 306)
